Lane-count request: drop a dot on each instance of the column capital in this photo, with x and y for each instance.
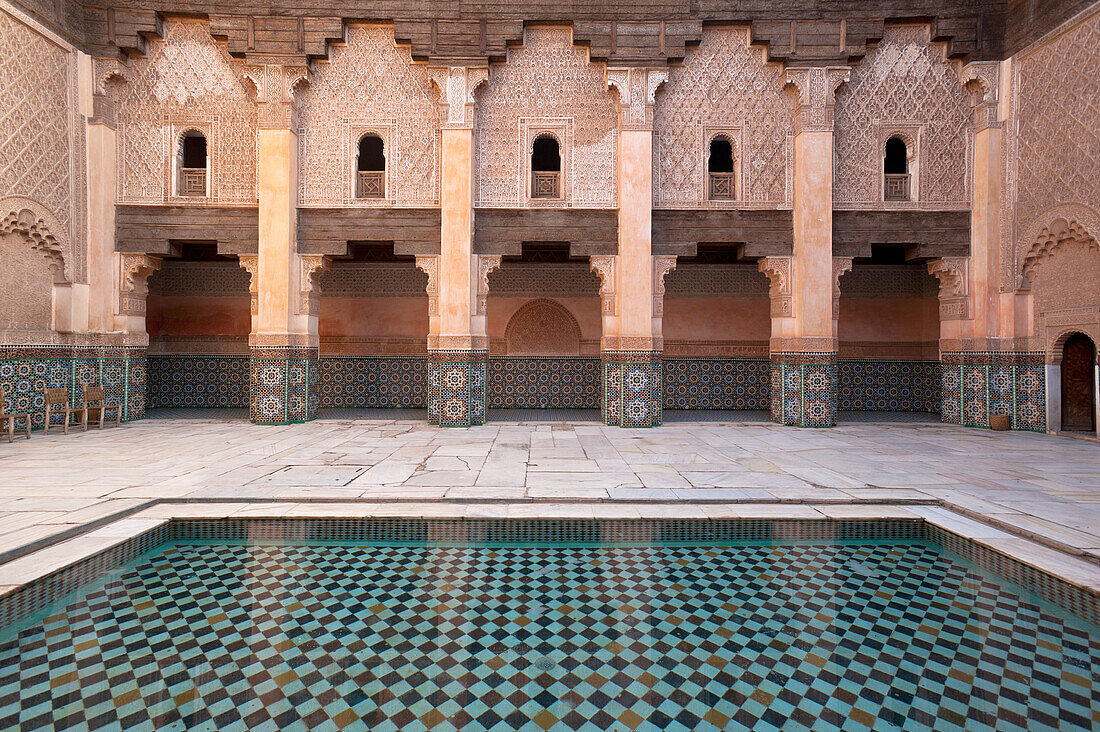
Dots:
(278, 82)
(456, 86)
(133, 282)
(778, 272)
(637, 87)
(814, 93)
(953, 274)
(982, 80)
(106, 72)
(841, 265)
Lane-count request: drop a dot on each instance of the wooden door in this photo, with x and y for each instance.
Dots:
(1078, 387)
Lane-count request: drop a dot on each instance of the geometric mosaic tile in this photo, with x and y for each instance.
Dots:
(544, 383)
(632, 388)
(861, 635)
(716, 383)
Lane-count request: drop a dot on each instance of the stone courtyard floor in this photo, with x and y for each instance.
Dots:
(57, 487)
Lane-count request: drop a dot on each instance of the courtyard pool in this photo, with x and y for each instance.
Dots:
(549, 626)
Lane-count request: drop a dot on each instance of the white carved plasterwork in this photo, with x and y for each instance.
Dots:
(250, 263)
(905, 78)
(778, 271)
(456, 100)
(370, 85)
(42, 133)
(186, 81)
(1051, 162)
(637, 88)
(662, 265)
(954, 277)
(814, 95)
(604, 267)
(133, 282)
(430, 267)
(723, 84)
(486, 263)
(547, 81)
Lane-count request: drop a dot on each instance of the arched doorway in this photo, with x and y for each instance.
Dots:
(1079, 384)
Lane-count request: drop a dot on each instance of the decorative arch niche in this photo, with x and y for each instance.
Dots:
(542, 327)
(37, 292)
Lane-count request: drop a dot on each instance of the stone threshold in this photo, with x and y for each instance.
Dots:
(41, 562)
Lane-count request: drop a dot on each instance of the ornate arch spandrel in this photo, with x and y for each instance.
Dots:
(19, 215)
(542, 327)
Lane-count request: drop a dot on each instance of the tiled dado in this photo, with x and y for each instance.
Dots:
(373, 382)
(544, 383)
(978, 384)
(198, 381)
(804, 389)
(27, 371)
(457, 387)
(716, 383)
(892, 386)
(632, 384)
(283, 384)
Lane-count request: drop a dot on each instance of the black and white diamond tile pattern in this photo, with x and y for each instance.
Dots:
(891, 635)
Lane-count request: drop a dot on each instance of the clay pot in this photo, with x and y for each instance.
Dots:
(999, 422)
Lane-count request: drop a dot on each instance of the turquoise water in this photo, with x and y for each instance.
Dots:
(863, 635)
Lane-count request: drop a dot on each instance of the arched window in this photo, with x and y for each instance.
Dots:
(192, 164)
(722, 185)
(545, 168)
(895, 166)
(370, 168)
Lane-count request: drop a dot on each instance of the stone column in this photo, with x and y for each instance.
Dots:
(458, 346)
(283, 345)
(803, 344)
(632, 343)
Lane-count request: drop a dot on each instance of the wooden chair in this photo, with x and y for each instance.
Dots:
(57, 402)
(95, 406)
(10, 418)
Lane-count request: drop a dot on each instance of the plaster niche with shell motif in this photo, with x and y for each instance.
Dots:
(905, 87)
(547, 87)
(370, 85)
(187, 81)
(725, 87)
(542, 327)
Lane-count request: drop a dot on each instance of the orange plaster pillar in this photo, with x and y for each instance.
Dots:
(803, 353)
(283, 344)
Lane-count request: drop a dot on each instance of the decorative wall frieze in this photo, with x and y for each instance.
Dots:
(662, 265)
(277, 85)
(906, 86)
(724, 86)
(548, 86)
(133, 282)
(370, 86)
(309, 282)
(637, 89)
(840, 266)
(430, 267)
(486, 263)
(953, 274)
(605, 269)
(251, 263)
(778, 271)
(457, 85)
(982, 81)
(815, 94)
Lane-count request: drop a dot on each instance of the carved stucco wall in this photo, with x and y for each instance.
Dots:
(1066, 287)
(725, 86)
(904, 86)
(26, 286)
(187, 81)
(42, 141)
(1052, 162)
(547, 84)
(370, 85)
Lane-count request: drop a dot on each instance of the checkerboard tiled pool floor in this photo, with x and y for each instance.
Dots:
(863, 635)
